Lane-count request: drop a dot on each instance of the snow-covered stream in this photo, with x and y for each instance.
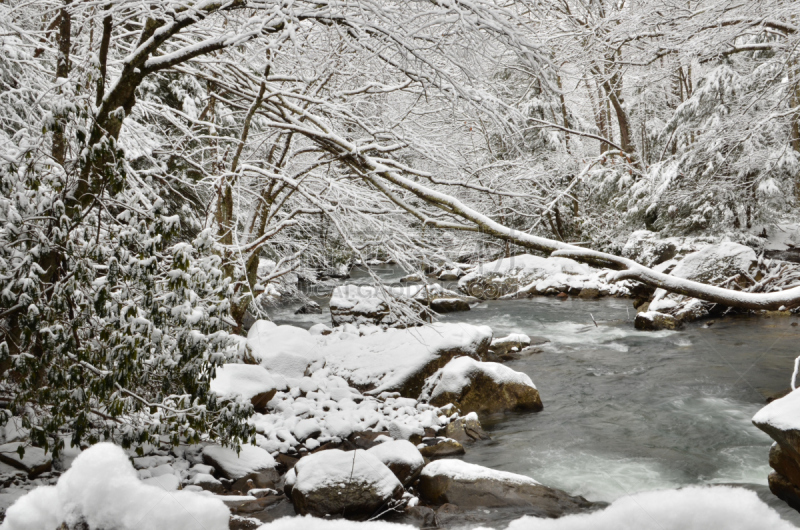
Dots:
(627, 411)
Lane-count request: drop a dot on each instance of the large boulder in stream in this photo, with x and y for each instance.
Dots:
(353, 484)
(654, 321)
(400, 360)
(481, 387)
(472, 486)
(781, 421)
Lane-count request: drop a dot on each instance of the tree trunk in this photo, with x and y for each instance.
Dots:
(62, 72)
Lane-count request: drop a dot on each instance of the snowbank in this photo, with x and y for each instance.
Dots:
(782, 414)
(694, 508)
(102, 488)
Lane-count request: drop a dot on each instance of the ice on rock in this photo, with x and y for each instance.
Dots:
(102, 488)
(284, 350)
(252, 382)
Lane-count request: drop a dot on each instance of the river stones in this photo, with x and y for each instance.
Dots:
(481, 387)
(471, 486)
(449, 305)
(401, 457)
(653, 321)
(353, 484)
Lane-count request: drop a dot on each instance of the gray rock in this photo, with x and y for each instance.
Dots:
(309, 308)
(449, 305)
(470, 486)
(466, 429)
(435, 448)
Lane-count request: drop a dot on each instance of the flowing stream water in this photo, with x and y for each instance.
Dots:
(627, 411)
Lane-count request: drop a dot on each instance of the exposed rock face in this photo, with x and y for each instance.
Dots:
(354, 484)
(441, 448)
(251, 464)
(466, 429)
(309, 308)
(401, 457)
(780, 419)
(653, 321)
(475, 386)
(468, 485)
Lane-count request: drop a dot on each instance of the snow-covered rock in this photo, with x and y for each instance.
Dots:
(400, 360)
(367, 304)
(781, 421)
(252, 463)
(528, 275)
(504, 345)
(352, 484)
(401, 457)
(713, 265)
(34, 461)
(284, 350)
(473, 486)
(653, 321)
(482, 387)
(102, 489)
(207, 482)
(252, 382)
(440, 447)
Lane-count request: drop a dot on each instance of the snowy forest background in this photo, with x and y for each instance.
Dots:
(153, 154)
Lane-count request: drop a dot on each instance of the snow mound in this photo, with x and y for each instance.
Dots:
(284, 350)
(102, 488)
(693, 508)
(466, 472)
(527, 263)
(387, 361)
(397, 452)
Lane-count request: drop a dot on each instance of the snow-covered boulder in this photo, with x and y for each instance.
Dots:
(399, 360)
(713, 265)
(252, 463)
(469, 485)
(102, 489)
(781, 421)
(284, 350)
(352, 484)
(505, 276)
(358, 304)
(482, 387)
(653, 321)
(527, 275)
(401, 457)
(252, 382)
(449, 305)
(34, 460)
(514, 342)
(645, 248)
